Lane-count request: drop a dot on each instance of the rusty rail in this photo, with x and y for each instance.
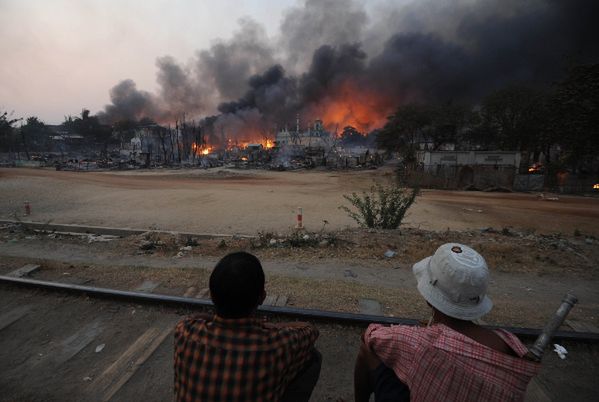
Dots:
(295, 313)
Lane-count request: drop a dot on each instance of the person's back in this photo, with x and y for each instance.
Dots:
(233, 356)
(452, 359)
(439, 363)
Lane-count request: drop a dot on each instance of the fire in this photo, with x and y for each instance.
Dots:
(201, 149)
(535, 168)
(353, 106)
(596, 186)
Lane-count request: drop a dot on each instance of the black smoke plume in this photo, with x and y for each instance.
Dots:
(421, 50)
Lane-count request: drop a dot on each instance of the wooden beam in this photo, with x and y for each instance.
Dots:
(12, 316)
(120, 371)
(281, 301)
(203, 294)
(535, 392)
(190, 291)
(580, 326)
(25, 270)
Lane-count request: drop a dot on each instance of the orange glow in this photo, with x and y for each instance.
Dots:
(535, 168)
(352, 106)
(256, 138)
(596, 186)
(201, 149)
(244, 158)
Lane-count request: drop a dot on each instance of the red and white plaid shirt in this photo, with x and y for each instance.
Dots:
(438, 363)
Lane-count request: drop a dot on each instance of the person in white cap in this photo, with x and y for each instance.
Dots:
(451, 359)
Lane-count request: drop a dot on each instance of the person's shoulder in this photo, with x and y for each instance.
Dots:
(401, 333)
(402, 329)
(512, 341)
(187, 323)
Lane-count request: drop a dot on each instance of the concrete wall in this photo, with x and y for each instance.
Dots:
(431, 159)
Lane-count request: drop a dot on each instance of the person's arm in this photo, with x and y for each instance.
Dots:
(394, 345)
(301, 337)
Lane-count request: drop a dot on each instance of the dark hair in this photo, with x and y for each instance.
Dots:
(236, 285)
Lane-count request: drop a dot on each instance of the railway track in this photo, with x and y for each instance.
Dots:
(341, 318)
(64, 342)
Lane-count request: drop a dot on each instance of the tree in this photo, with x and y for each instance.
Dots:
(90, 128)
(404, 130)
(513, 118)
(574, 115)
(350, 135)
(8, 138)
(35, 134)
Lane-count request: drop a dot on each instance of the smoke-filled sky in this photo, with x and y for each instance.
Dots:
(58, 56)
(259, 63)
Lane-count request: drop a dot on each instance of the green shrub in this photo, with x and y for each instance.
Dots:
(382, 207)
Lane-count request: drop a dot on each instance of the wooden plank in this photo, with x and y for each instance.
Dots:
(120, 372)
(75, 343)
(25, 270)
(190, 291)
(270, 300)
(580, 326)
(281, 301)
(147, 286)
(12, 316)
(370, 306)
(203, 294)
(535, 392)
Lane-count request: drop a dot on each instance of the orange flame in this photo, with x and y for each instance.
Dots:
(352, 106)
(201, 149)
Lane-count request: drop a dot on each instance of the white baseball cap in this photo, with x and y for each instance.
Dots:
(454, 280)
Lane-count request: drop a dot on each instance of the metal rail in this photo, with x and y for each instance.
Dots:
(307, 314)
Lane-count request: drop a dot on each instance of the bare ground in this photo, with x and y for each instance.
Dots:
(237, 201)
(530, 273)
(537, 251)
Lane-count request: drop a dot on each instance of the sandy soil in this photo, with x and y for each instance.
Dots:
(236, 201)
(530, 273)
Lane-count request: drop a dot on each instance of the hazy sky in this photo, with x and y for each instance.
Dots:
(58, 56)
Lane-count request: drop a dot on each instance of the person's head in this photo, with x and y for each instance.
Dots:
(237, 285)
(454, 281)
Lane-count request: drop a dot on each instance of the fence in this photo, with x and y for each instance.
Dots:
(460, 177)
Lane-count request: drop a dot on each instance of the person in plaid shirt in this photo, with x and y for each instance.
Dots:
(233, 356)
(452, 359)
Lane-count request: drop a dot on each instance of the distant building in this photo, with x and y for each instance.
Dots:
(313, 137)
(432, 159)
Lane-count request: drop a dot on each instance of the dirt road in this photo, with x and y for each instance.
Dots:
(236, 201)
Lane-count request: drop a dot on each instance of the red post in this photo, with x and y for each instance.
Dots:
(300, 224)
(27, 208)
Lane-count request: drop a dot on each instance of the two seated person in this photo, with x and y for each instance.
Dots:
(233, 356)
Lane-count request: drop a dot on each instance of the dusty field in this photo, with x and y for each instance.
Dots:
(227, 201)
(537, 251)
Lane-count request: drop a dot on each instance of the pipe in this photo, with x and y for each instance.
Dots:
(297, 313)
(535, 353)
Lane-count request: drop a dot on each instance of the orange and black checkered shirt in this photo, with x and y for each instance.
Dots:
(238, 359)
